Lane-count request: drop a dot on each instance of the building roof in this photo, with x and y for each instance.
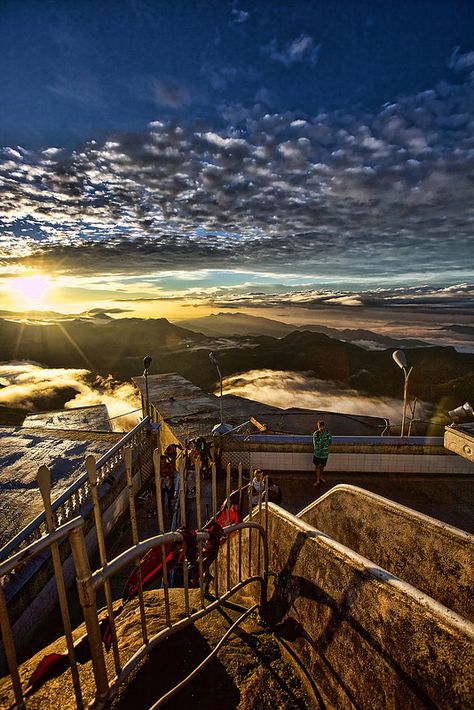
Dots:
(93, 418)
(190, 412)
(22, 451)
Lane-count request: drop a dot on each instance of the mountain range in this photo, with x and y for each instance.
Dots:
(232, 324)
(117, 346)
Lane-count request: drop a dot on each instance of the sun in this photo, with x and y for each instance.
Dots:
(32, 288)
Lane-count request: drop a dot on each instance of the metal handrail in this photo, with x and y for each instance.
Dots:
(337, 439)
(45, 541)
(98, 578)
(15, 542)
(89, 582)
(139, 550)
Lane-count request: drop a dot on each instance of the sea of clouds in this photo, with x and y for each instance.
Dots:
(29, 386)
(281, 388)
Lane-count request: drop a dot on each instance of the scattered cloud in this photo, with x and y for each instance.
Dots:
(83, 89)
(330, 194)
(239, 16)
(301, 49)
(170, 93)
(461, 62)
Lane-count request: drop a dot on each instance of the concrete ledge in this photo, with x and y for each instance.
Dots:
(369, 639)
(434, 557)
(344, 458)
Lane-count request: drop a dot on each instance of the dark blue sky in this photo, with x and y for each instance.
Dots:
(280, 147)
(72, 71)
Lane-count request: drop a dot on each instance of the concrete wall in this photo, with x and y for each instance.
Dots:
(347, 458)
(367, 639)
(434, 557)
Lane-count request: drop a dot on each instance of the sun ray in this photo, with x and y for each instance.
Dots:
(18, 340)
(69, 337)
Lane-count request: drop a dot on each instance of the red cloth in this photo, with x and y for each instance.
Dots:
(234, 515)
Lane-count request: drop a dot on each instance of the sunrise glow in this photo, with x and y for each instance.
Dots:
(32, 289)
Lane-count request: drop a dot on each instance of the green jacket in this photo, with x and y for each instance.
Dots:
(321, 442)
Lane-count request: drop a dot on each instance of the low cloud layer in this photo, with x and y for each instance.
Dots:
(296, 389)
(385, 193)
(29, 386)
(456, 297)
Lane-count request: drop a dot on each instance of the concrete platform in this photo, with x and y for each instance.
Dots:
(447, 498)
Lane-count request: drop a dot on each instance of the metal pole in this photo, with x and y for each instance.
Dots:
(10, 652)
(220, 400)
(227, 517)
(412, 416)
(43, 478)
(127, 455)
(161, 529)
(405, 391)
(214, 512)
(91, 468)
(146, 364)
(147, 396)
(87, 598)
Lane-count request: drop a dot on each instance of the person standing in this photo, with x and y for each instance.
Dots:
(257, 483)
(321, 442)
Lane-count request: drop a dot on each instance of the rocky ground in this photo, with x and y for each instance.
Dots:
(252, 670)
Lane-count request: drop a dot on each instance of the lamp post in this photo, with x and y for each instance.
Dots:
(215, 362)
(401, 360)
(146, 365)
(461, 413)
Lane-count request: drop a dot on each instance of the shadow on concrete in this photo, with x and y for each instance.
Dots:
(289, 587)
(167, 665)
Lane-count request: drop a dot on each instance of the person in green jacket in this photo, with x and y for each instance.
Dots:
(321, 441)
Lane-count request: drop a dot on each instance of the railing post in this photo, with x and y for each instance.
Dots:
(227, 517)
(87, 598)
(10, 652)
(214, 512)
(43, 478)
(161, 529)
(91, 469)
(128, 458)
(197, 470)
(182, 503)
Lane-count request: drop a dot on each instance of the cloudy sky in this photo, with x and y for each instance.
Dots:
(171, 158)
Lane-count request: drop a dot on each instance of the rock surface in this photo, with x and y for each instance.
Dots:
(252, 670)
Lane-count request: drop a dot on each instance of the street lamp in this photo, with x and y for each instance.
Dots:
(401, 360)
(461, 413)
(215, 362)
(146, 365)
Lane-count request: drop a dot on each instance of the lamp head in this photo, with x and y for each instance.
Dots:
(400, 358)
(213, 359)
(146, 362)
(461, 413)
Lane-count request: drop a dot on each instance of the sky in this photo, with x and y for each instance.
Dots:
(175, 158)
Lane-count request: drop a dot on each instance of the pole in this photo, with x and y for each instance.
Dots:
(405, 392)
(220, 401)
(146, 364)
(215, 362)
(147, 410)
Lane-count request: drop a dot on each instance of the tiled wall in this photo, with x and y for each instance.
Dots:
(366, 462)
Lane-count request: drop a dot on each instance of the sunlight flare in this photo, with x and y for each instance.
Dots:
(32, 288)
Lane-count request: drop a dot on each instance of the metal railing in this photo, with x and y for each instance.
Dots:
(245, 562)
(68, 504)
